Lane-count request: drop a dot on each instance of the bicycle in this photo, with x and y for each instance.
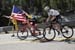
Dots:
(24, 31)
(50, 32)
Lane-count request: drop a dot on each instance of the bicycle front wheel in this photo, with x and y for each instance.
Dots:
(22, 34)
(67, 31)
(49, 34)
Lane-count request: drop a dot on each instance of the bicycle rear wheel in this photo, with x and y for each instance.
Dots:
(49, 34)
(67, 31)
(22, 34)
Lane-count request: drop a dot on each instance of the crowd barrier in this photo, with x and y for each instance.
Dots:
(6, 28)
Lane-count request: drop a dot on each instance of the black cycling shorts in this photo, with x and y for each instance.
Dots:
(57, 19)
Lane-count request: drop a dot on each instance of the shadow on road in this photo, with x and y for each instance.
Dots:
(69, 41)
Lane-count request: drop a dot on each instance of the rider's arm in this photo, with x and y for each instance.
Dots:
(48, 18)
(11, 17)
(53, 17)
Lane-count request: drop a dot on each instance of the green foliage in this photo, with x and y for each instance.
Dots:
(40, 4)
(36, 6)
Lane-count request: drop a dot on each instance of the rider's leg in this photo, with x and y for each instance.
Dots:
(35, 30)
(57, 27)
(32, 24)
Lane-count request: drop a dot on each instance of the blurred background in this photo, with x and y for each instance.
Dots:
(66, 8)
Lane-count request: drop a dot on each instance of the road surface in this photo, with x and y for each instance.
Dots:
(31, 43)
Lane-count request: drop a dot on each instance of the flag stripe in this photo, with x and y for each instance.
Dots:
(18, 14)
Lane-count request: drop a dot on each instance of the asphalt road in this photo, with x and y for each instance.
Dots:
(31, 43)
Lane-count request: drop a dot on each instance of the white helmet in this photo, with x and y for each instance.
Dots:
(46, 8)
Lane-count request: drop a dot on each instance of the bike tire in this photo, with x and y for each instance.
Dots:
(50, 32)
(66, 33)
(22, 34)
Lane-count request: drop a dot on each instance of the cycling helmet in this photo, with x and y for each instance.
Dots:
(46, 8)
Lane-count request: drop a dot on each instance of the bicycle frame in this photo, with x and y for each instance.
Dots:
(25, 28)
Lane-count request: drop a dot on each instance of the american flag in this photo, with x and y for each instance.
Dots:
(18, 14)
